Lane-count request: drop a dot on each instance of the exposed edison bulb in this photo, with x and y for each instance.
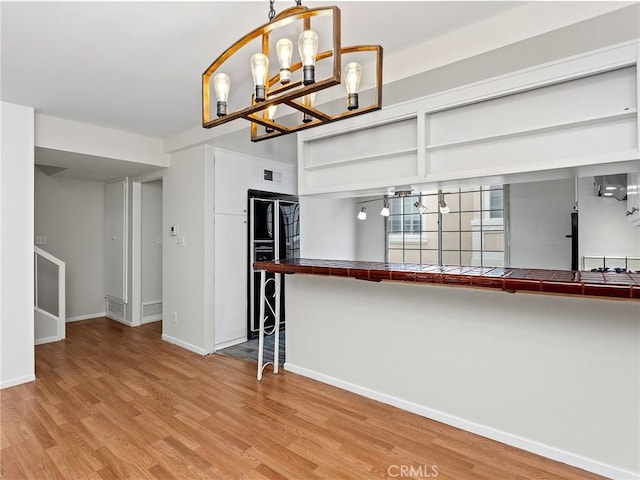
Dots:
(222, 85)
(271, 114)
(308, 46)
(362, 214)
(308, 100)
(352, 74)
(259, 70)
(284, 50)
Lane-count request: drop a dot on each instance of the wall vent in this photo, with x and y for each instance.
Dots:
(151, 311)
(116, 309)
(272, 176)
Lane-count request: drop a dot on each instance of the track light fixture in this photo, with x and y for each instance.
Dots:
(362, 214)
(295, 82)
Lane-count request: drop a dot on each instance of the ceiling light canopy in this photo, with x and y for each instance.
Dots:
(297, 79)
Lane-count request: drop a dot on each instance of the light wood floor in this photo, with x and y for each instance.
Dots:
(115, 402)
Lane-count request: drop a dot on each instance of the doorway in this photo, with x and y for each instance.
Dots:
(151, 251)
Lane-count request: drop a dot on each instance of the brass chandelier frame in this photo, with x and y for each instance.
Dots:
(292, 93)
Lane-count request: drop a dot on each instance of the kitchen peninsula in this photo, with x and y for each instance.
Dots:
(599, 284)
(553, 369)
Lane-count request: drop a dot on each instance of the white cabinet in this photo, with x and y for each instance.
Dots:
(234, 175)
(230, 279)
(231, 183)
(633, 198)
(115, 240)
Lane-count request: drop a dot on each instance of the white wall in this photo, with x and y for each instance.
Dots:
(70, 214)
(187, 278)
(16, 248)
(603, 226)
(526, 37)
(60, 134)
(540, 217)
(151, 220)
(370, 233)
(556, 375)
(327, 228)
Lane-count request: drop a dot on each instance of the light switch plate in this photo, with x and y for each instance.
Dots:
(181, 242)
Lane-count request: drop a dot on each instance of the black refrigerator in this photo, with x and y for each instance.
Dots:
(274, 234)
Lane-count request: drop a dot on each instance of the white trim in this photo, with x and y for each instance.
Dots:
(479, 429)
(125, 240)
(90, 316)
(45, 313)
(136, 253)
(185, 345)
(553, 127)
(351, 161)
(43, 340)
(230, 343)
(152, 319)
(119, 320)
(17, 381)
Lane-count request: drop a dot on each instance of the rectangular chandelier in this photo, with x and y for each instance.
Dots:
(285, 102)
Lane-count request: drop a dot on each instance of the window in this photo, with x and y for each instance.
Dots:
(472, 233)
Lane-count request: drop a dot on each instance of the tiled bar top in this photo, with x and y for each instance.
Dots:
(565, 282)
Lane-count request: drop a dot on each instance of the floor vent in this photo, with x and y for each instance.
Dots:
(116, 309)
(151, 311)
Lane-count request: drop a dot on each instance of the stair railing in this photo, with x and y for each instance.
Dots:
(44, 318)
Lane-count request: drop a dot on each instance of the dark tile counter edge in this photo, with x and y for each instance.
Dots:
(563, 282)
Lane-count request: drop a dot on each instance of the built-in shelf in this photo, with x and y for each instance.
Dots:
(609, 117)
(368, 158)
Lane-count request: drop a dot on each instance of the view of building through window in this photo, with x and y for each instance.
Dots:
(471, 233)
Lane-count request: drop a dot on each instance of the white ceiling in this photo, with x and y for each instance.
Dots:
(87, 167)
(137, 66)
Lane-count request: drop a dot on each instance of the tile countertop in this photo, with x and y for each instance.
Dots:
(564, 282)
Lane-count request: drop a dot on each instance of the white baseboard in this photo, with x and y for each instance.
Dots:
(185, 345)
(119, 320)
(151, 319)
(43, 340)
(231, 343)
(482, 430)
(17, 381)
(79, 318)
